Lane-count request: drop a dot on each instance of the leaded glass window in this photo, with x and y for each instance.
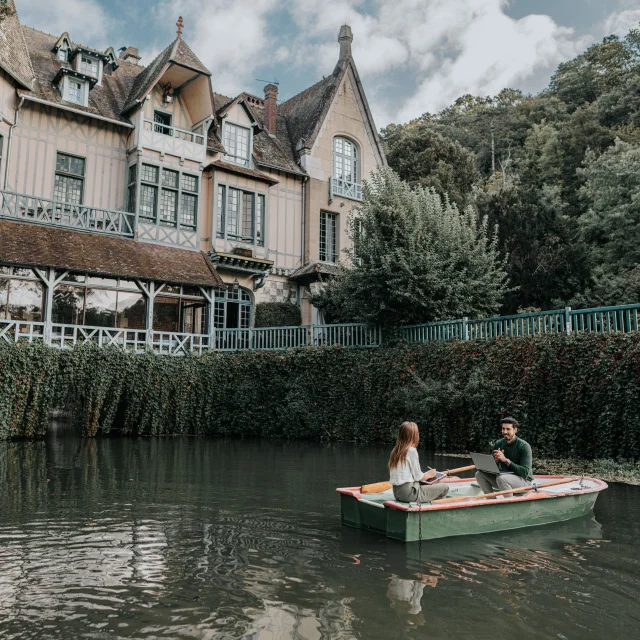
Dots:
(232, 309)
(236, 144)
(149, 192)
(244, 213)
(131, 185)
(189, 201)
(233, 205)
(328, 237)
(247, 216)
(69, 179)
(345, 160)
(168, 207)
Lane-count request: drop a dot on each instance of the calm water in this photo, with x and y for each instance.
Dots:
(194, 538)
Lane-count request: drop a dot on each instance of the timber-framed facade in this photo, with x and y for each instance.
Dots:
(137, 204)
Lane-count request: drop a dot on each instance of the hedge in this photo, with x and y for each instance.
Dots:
(574, 396)
(277, 314)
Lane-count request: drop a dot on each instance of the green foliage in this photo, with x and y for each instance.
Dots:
(574, 396)
(423, 157)
(415, 259)
(277, 314)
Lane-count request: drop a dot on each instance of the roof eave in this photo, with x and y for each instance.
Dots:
(64, 107)
(17, 78)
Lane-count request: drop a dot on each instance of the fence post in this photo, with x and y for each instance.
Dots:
(465, 328)
(567, 319)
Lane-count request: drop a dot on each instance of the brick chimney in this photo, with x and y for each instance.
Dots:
(131, 54)
(345, 38)
(270, 95)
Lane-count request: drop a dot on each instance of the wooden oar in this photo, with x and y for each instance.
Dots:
(379, 487)
(506, 491)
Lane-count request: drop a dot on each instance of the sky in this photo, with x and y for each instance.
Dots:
(413, 56)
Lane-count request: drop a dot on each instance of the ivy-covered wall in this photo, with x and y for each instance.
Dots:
(574, 396)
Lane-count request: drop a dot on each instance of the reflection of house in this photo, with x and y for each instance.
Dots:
(137, 197)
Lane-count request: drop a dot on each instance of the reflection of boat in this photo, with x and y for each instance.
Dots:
(410, 522)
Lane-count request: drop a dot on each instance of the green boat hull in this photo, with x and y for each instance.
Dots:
(482, 517)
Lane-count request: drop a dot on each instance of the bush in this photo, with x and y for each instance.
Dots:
(277, 314)
(575, 396)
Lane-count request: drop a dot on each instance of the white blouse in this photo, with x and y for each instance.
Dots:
(407, 470)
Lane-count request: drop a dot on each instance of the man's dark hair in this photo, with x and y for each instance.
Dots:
(512, 421)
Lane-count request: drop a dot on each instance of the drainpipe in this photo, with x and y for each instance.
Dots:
(302, 245)
(12, 126)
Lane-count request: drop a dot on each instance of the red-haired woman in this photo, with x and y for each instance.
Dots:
(405, 473)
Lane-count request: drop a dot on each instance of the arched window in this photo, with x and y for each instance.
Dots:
(232, 309)
(345, 169)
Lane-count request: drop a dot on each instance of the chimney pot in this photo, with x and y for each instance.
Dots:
(345, 38)
(131, 54)
(270, 112)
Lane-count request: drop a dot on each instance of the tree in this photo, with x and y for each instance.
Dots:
(423, 157)
(415, 259)
(612, 222)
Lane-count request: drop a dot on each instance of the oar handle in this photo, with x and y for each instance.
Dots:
(460, 470)
(506, 491)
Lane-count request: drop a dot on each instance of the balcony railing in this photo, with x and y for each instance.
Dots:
(80, 217)
(174, 132)
(344, 189)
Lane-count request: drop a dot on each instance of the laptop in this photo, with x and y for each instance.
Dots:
(485, 462)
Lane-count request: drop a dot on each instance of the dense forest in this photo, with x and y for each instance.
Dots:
(558, 173)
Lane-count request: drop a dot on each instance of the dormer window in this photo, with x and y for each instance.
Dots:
(236, 143)
(76, 91)
(89, 66)
(63, 55)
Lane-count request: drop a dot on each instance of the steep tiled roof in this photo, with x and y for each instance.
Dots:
(305, 112)
(33, 244)
(220, 101)
(177, 52)
(312, 271)
(105, 101)
(274, 151)
(14, 57)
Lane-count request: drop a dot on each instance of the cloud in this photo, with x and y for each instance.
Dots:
(620, 22)
(230, 38)
(449, 47)
(85, 20)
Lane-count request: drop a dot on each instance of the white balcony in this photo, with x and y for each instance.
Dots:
(174, 141)
(18, 206)
(344, 189)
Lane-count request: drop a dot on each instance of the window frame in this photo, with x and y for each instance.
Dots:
(323, 249)
(160, 187)
(87, 69)
(63, 54)
(68, 174)
(233, 157)
(224, 215)
(224, 295)
(164, 128)
(83, 91)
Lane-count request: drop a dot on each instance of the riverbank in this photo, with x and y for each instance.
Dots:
(607, 470)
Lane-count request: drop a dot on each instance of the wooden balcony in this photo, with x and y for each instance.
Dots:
(174, 141)
(80, 217)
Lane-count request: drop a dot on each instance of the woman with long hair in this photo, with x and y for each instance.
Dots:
(405, 473)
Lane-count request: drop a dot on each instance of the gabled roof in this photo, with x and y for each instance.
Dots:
(14, 56)
(178, 52)
(105, 101)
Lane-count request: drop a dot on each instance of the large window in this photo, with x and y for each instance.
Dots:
(328, 237)
(180, 309)
(167, 196)
(21, 295)
(69, 180)
(232, 309)
(89, 66)
(236, 144)
(345, 169)
(99, 302)
(241, 215)
(131, 185)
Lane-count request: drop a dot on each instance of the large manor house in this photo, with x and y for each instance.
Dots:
(137, 197)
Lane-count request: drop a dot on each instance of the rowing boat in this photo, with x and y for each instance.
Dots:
(568, 498)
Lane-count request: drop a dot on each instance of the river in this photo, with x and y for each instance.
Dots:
(205, 538)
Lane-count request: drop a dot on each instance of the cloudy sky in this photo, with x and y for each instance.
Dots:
(413, 55)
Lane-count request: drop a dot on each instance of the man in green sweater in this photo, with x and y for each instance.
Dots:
(513, 457)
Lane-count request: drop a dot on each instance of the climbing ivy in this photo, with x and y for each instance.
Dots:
(574, 396)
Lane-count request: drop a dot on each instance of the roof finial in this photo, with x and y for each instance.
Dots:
(180, 24)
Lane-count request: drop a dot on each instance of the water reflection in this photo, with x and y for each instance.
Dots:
(230, 539)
